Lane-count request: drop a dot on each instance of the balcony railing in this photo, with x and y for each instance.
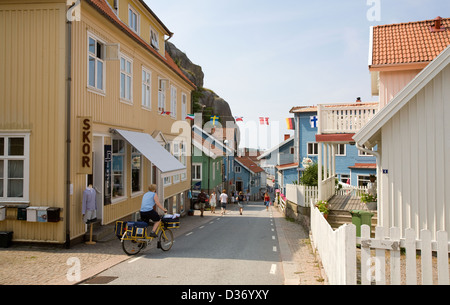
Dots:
(344, 118)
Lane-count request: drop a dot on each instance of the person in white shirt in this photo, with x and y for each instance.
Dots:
(213, 201)
(223, 201)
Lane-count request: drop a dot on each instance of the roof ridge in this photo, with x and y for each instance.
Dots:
(406, 23)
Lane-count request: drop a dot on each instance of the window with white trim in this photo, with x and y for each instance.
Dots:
(197, 171)
(96, 63)
(363, 180)
(154, 39)
(118, 168)
(183, 106)
(173, 102)
(161, 95)
(146, 88)
(341, 150)
(14, 167)
(133, 19)
(312, 148)
(126, 79)
(136, 171)
(167, 181)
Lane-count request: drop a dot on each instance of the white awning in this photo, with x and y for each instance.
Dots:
(154, 152)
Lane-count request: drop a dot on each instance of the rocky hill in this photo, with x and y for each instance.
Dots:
(204, 99)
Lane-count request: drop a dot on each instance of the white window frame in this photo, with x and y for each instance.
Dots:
(154, 38)
(347, 177)
(135, 153)
(338, 150)
(146, 100)
(127, 74)
(315, 149)
(167, 180)
(183, 106)
(138, 20)
(362, 178)
(161, 95)
(26, 167)
(124, 174)
(173, 102)
(237, 169)
(98, 58)
(194, 171)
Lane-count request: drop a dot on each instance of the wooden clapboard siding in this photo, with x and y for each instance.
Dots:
(415, 150)
(32, 55)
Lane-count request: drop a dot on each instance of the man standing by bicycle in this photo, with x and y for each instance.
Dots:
(148, 211)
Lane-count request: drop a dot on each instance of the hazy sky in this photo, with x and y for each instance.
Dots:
(265, 57)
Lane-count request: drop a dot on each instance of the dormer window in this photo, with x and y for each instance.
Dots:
(133, 19)
(154, 39)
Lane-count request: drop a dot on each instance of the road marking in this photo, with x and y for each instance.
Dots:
(189, 233)
(211, 222)
(274, 248)
(273, 229)
(135, 259)
(273, 269)
(202, 227)
(273, 236)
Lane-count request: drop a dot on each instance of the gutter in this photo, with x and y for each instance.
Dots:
(69, 18)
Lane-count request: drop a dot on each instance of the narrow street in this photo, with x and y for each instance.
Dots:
(233, 249)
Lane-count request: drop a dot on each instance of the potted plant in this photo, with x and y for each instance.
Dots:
(322, 205)
(369, 200)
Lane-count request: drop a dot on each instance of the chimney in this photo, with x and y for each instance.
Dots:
(437, 25)
(358, 100)
(287, 136)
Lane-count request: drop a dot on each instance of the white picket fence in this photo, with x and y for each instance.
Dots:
(337, 250)
(373, 267)
(301, 194)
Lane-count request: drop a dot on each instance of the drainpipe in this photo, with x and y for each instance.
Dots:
(68, 115)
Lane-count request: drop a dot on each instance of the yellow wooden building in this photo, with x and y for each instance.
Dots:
(88, 95)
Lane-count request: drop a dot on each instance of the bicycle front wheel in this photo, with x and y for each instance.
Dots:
(166, 239)
(132, 247)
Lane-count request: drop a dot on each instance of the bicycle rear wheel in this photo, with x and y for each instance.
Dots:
(166, 239)
(132, 247)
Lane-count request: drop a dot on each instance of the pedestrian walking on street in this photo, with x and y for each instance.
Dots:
(241, 202)
(212, 201)
(267, 200)
(202, 200)
(223, 201)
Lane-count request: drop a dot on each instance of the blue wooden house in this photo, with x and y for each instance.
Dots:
(352, 166)
(248, 177)
(278, 163)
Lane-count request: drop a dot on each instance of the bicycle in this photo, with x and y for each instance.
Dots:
(132, 245)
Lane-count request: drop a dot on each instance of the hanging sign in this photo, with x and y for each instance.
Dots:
(85, 148)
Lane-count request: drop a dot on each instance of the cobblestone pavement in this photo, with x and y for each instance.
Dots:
(24, 264)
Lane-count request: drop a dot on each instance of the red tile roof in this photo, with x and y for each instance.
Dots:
(364, 166)
(248, 163)
(408, 43)
(288, 165)
(103, 8)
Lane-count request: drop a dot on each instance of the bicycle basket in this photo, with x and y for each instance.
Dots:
(172, 223)
(120, 228)
(136, 229)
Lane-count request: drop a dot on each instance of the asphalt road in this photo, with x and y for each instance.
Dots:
(229, 250)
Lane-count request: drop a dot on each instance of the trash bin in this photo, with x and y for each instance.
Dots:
(359, 218)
